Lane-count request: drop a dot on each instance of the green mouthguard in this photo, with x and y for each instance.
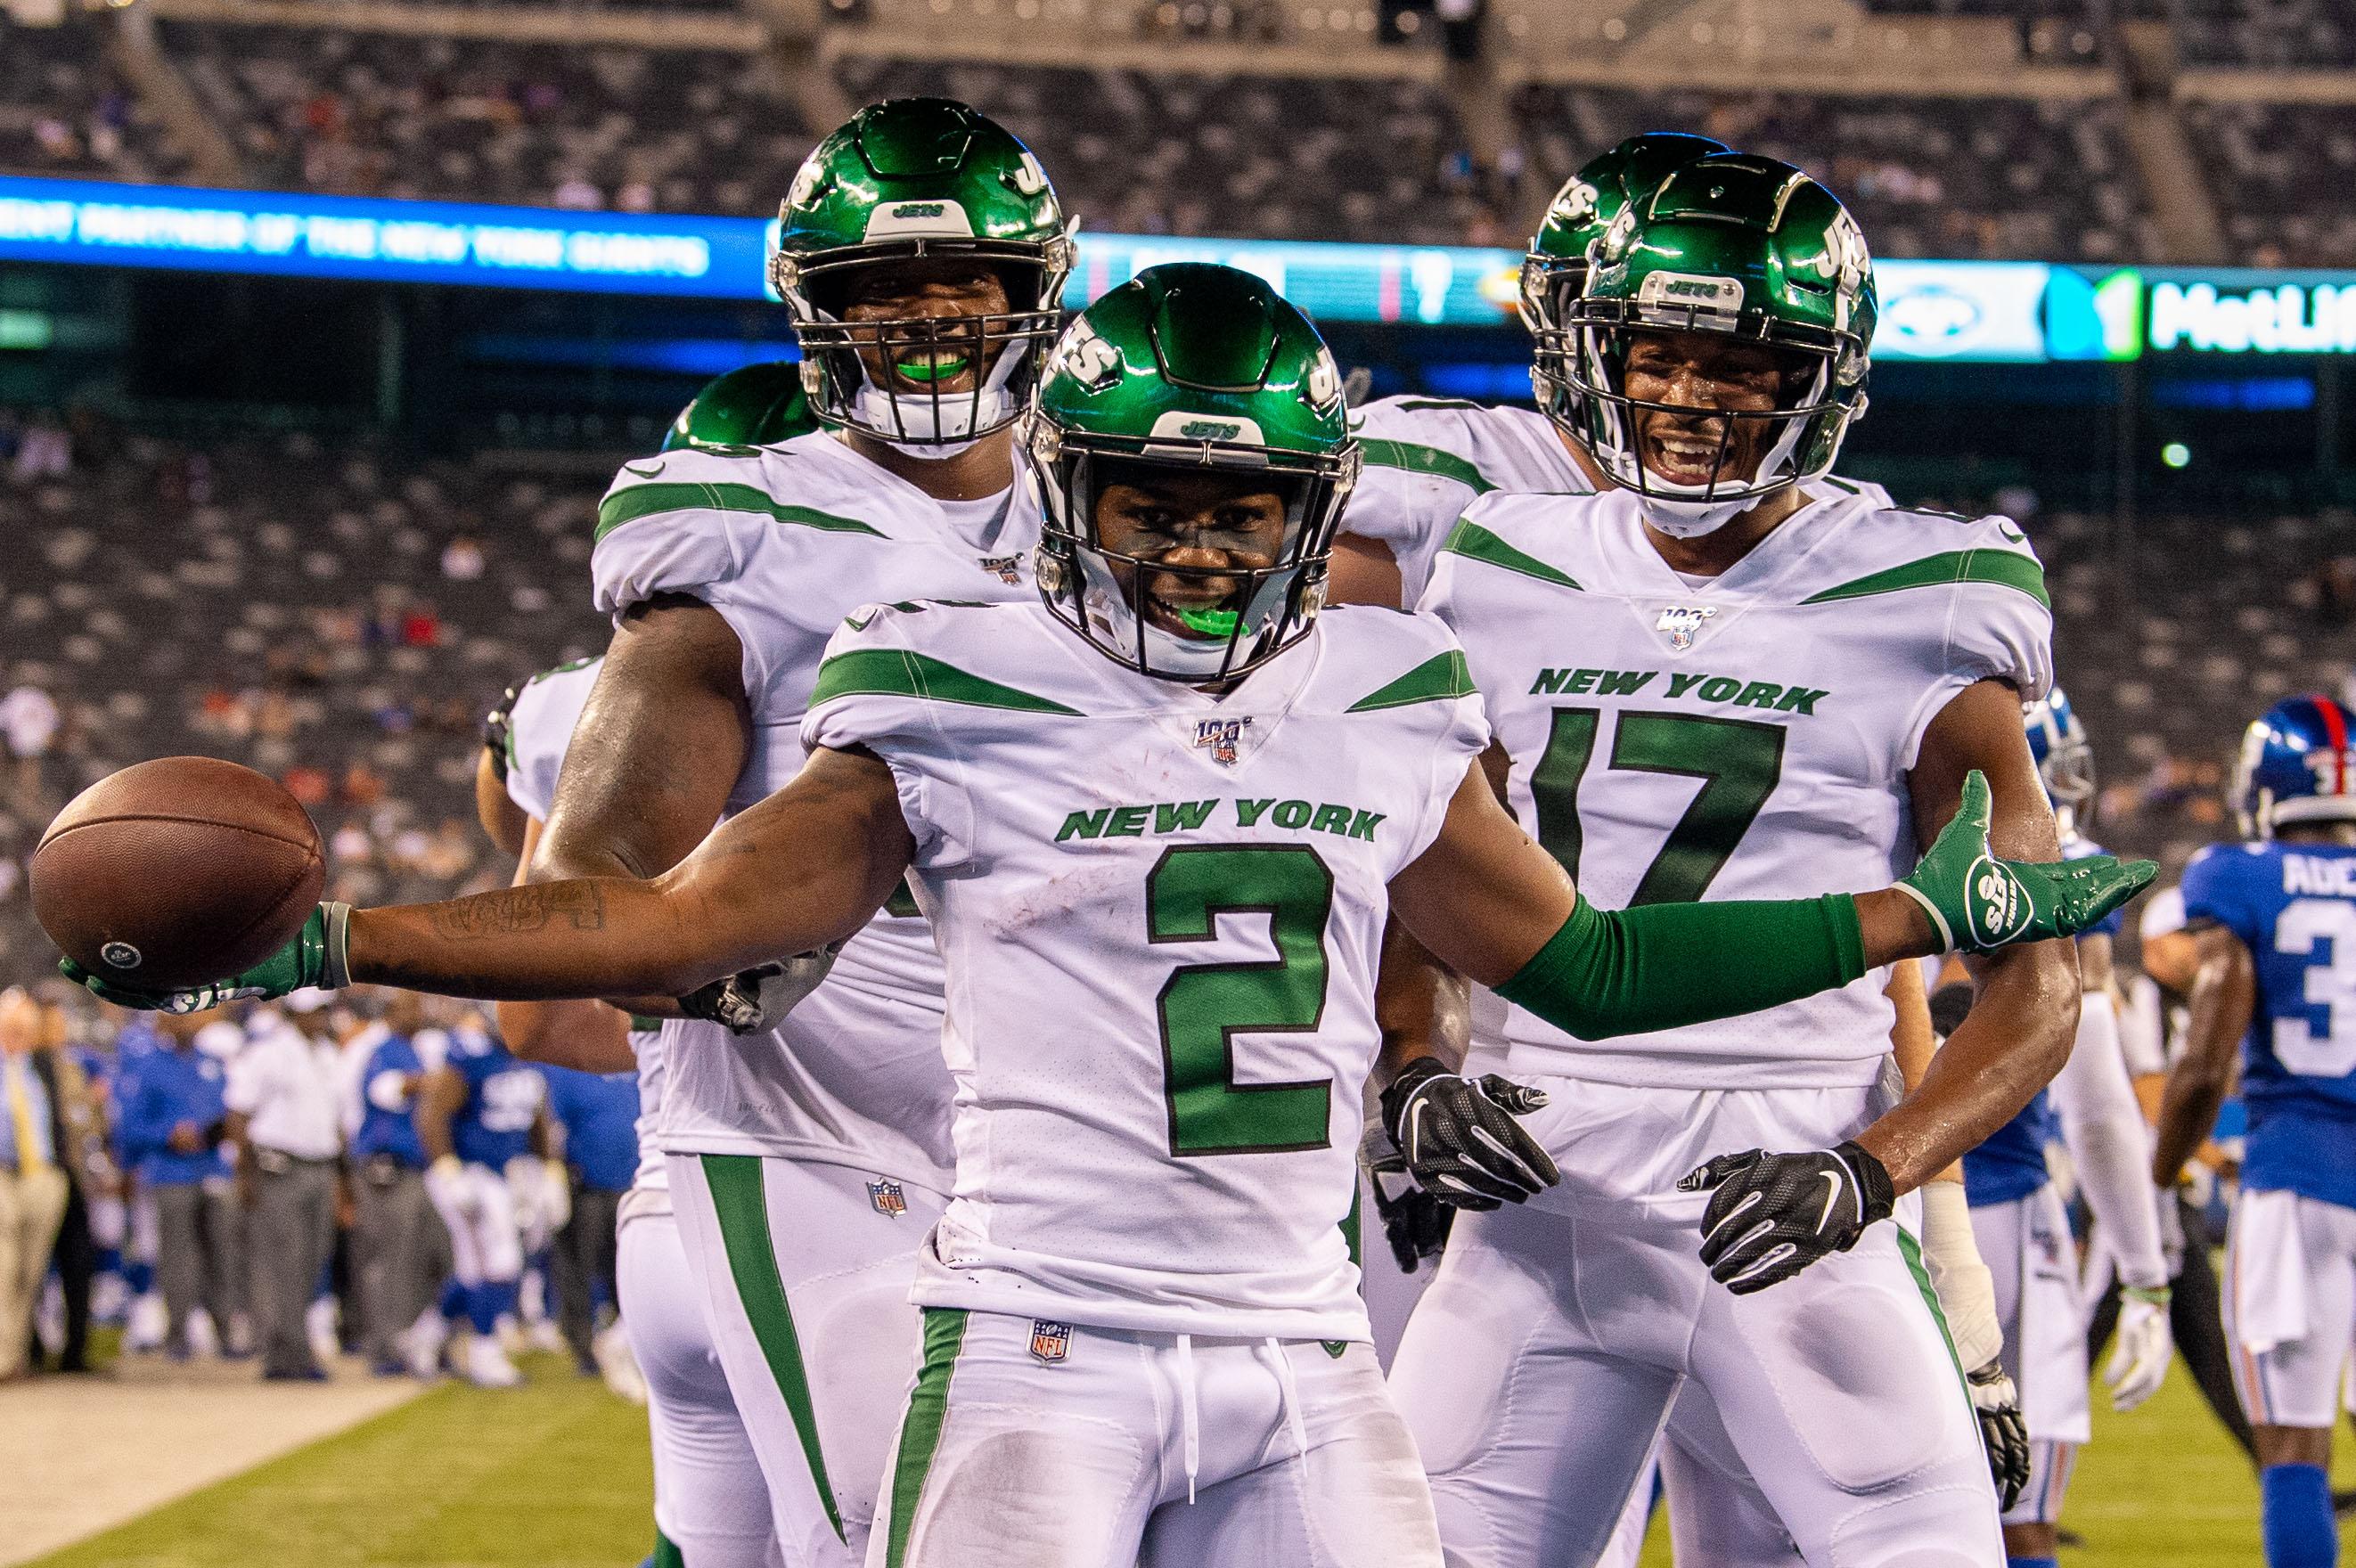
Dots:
(939, 371)
(1210, 622)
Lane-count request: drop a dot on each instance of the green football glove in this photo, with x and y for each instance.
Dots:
(1979, 903)
(315, 957)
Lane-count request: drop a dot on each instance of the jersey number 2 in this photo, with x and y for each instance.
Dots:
(1205, 1006)
(2330, 986)
(1738, 760)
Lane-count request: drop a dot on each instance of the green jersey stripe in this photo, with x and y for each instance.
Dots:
(2004, 567)
(1431, 460)
(645, 500)
(920, 1432)
(1911, 1251)
(900, 672)
(744, 1215)
(1438, 678)
(1472, 540)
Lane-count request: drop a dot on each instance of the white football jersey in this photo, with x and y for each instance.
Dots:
(784, 541)
(1426, 459)
(1162, 914)
(1746, 737)
(540, 728)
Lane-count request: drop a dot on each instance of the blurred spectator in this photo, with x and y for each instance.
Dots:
(33, 1190)
(598, 1114)
(172, 1124)
(29, 717)
(285, 1101)
(383, 1076)
(75, 1133)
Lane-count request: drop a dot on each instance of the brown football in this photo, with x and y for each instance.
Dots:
(176, 871)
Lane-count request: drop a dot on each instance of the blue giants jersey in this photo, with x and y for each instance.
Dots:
(503, 1099)
(600, 1114)
(2294, 905)
(2012, 1163)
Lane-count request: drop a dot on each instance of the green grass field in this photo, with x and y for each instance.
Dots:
(554, 1475)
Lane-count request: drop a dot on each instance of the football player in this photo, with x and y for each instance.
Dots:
(481, 1115)
(2022, 1230)
(1158, 818)
(1426, 460)
(2274, 920)
(923, 255)
(1828, 668)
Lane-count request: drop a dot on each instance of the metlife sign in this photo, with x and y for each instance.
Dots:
(2252, 313)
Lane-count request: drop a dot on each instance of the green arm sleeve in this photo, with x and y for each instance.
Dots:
(1660, 966)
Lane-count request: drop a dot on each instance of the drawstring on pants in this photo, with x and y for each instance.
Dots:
(1290, 1391)
(1190, 1419)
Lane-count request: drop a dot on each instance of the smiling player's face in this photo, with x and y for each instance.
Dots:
(950, 353)
(1192, 534)
(1701, 376)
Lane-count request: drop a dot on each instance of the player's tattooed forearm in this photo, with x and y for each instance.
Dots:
(581, 905)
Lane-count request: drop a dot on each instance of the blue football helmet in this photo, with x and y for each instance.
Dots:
(2296, 766)
(2065, 761)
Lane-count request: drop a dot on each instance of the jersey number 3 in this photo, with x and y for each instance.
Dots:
(2331, 985)
(1738, 760)
(1204, 1007)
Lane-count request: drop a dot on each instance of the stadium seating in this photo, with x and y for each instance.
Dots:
(2268, 161)
(1378, 159)
(1927, 177)
(331, 108)
(64, 110)
(160, 631)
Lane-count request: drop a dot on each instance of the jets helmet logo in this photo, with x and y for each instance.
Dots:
(1682, 622)
(1221, 738)
(1997, 905)
(1050, 1342)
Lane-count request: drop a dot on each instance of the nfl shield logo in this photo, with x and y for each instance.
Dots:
(888, 1197)
(1050, 1342)
(1681, 622)
(1220, 737)
(1007, 568)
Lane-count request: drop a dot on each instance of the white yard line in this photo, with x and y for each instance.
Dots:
(84, 1455)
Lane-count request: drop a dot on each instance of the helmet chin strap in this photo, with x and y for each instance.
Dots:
(935, 430)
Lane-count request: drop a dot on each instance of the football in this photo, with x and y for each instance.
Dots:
(176, 871)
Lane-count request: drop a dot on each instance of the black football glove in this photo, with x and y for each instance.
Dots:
(1997, 1404)
(497, 724)
(1771, 1215)
(756, 1000)
(1458, 1137)
(1415, 1223)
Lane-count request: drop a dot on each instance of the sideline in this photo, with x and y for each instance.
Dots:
(85, 1454)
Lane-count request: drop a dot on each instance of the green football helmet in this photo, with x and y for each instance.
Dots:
(909, 180)
(754, 405)
(1187, 368)
(1730, 243)
(1554, 269)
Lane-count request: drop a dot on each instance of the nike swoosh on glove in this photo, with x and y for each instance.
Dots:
(1458, 1137)
(1771, 1215)
(1415, 1223)
(756, 1000)
(1997, 1404)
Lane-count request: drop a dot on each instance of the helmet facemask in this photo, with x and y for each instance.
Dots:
(1111, 580)
(1730, 458)
(887, 376)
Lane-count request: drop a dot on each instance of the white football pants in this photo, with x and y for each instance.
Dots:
(709, 1499)
(2033, 1259)
(805, 1270)
(1543, 1362)
(479, 1210)
(1036, 1445)
(2290, 1305)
